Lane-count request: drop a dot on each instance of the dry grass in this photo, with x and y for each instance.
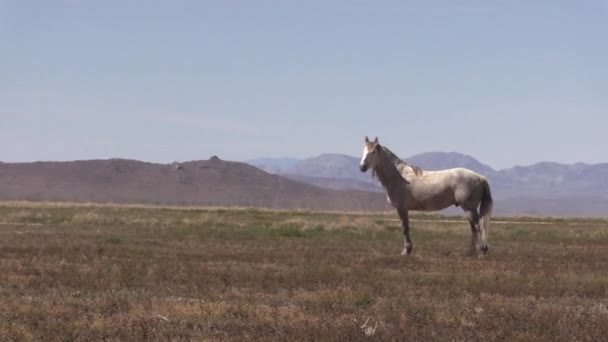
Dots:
(117, 273)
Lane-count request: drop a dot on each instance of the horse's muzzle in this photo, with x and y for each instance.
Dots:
(363, 167)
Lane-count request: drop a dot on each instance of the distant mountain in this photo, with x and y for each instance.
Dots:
(331, 171)
(337, 183)
(330, 166)
(542, 188)
(274, 165)
(208, 182)
(339, 166)
(448, 160)
(552, 180)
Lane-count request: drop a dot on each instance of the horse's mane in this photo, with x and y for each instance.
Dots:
(400, 164)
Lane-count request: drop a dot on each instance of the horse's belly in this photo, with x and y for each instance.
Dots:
(430, 199)
(433, 205)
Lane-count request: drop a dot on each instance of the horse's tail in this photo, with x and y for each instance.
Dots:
(485, 212)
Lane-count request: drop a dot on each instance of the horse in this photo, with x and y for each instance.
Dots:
(408, 187)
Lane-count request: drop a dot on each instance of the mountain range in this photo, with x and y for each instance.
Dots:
(212, 182)
(544, 188)
(325, 182)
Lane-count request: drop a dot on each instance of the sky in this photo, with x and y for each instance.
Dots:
(507, 82)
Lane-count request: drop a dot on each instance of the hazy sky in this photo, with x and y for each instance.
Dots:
(508, 82)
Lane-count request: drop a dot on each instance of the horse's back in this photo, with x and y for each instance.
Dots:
(456, 186)
(456, 175)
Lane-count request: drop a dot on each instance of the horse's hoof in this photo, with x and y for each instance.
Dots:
(485, 249)
(406, 251)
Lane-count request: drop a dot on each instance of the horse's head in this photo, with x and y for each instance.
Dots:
(371, 149)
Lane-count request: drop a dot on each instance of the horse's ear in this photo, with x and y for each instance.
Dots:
(366, 139)
(376, 140)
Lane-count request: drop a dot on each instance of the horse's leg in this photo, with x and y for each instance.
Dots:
(405, 224)
(473, 218)
(484, 240)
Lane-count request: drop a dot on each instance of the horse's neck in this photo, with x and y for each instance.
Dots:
(396, 186)
(390, 176)
(407, 171)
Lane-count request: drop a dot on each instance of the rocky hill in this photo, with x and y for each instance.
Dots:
(207, 182)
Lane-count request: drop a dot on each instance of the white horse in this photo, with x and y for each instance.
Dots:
(410, 188)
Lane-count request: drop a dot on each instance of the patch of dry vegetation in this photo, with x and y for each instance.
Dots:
(125, 273)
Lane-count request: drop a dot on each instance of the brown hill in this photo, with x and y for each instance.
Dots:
(209, 182)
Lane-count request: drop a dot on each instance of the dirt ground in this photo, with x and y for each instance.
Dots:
(71, 272)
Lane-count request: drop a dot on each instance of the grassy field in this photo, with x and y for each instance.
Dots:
(118, 273)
